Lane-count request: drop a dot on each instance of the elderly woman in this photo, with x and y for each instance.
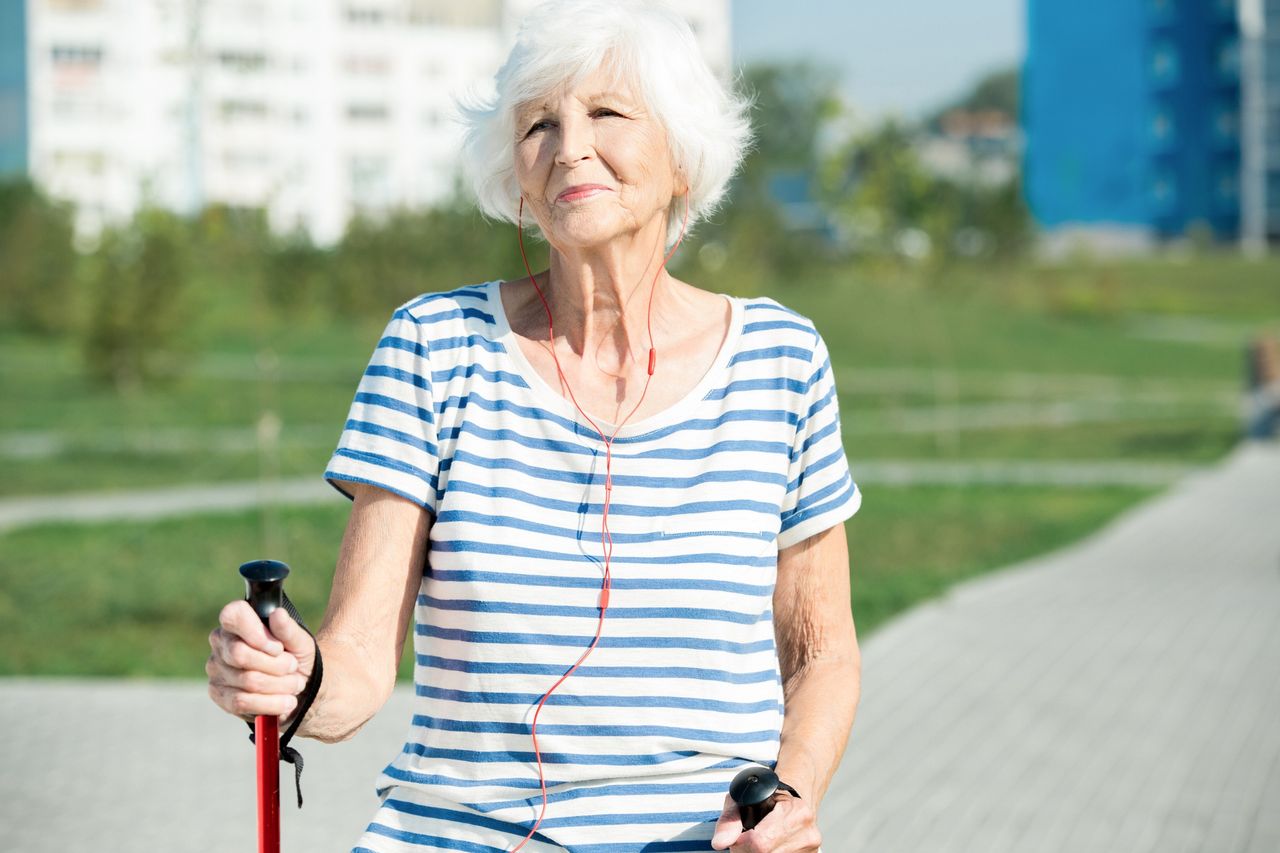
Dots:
(596, 471)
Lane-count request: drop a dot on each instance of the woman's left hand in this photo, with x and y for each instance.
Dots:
(791, 827)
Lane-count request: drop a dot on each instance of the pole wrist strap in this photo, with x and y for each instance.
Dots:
(288, 754)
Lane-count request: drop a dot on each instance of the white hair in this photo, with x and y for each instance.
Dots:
(643, 42)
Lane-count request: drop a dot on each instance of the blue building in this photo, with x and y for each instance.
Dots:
(13, 88)
(1131, 111)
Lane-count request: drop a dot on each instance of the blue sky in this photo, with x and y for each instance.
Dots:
(896, 56)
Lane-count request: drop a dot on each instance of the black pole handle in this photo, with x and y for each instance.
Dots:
(264, 580)
(753, 790)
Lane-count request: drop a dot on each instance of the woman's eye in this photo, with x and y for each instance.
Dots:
(605, 111)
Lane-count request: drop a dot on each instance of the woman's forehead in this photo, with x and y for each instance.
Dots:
(599, 85)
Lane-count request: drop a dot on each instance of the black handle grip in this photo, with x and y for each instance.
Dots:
(753, 789)
(264, 580)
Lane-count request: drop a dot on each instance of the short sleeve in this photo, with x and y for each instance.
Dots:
(820, 490)
(389, 439)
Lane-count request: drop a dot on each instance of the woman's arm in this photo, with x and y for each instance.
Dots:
(821, 668)
(370, 608)
(821, 664)
(361, 639)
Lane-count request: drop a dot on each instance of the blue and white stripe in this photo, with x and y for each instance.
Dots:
(639, 745)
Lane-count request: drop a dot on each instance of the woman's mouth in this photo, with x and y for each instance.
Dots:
(581, 191)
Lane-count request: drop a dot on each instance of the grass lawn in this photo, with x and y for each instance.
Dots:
(1122, 361)
(139, 599)
(913, 360)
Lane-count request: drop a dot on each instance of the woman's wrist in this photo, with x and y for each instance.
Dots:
(799, 773)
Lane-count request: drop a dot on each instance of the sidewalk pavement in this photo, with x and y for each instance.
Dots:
(1121, 695)
(166, 501)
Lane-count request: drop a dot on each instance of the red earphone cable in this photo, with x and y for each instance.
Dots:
(605, 536)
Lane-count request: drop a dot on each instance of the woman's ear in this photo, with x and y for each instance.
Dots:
(681, 186)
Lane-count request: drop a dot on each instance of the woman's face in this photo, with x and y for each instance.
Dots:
(592, 163)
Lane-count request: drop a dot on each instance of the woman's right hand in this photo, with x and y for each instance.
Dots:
(254, 671)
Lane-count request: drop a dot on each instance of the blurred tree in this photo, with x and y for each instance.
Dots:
(998, 91)
(294, 271)
(889, 204)
(882, 192)
(138, 276)
(38, 269)
(792, 106)
(382, 262)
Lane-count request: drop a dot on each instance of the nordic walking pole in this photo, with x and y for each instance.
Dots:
(265, 582)
(753, 789)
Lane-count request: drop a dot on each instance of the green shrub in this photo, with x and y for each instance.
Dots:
(137, 280)
(37, 261)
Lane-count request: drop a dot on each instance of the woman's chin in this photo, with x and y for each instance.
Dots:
(584, 239)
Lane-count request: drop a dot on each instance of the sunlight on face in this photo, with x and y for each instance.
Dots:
(592, 163)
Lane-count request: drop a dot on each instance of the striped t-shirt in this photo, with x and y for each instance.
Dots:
(640, 743)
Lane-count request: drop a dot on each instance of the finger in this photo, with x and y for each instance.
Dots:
(287, 631)
(728, 827)
(234, 653)
(790, 827)
(248, 705)
(238, 618)
(259, 683)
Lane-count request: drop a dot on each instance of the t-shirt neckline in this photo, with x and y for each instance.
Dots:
(553, 400)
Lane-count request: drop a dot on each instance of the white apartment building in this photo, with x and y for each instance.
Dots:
(1260, 131)
(311, 109)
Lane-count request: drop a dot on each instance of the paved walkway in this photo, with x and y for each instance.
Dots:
(139, 504)
(1122, 695)
(1118, 696)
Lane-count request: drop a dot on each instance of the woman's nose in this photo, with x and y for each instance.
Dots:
(575, 141)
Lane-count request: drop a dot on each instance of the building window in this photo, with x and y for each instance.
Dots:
(76, 55)
(92, 163)
(241, 160)
(237, 110)
(1162, 128)
(366, 66)
(74, 5)
(1228, 187)
(75, 66)
(242, 61)
(450, 13)
(1229, 59)
(1164, 64)
(367, 112)
(1226, 124)
(366, 15)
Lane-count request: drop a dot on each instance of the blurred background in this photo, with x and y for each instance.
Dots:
(1038, 236)
(1033, 233)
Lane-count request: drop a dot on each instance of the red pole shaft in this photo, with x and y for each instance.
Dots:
(267, 738)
